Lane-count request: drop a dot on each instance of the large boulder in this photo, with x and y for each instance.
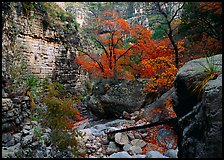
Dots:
(200, 120)
(110, 98)
(187, 78)
(159, 104)
(202, 127)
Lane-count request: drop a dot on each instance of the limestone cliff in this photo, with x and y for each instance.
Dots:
(44, 37)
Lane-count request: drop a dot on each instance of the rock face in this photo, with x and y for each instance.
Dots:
(46, 47)
(187, 77)
(110, 98)
(14, 113)
(201, 120)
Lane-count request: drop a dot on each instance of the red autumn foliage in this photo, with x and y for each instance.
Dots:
(128, 52)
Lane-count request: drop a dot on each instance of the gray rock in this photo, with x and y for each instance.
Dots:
(206, 120)
(4, 94)
(104, 140)
(126, 147)
(131, 136)
(17, 137)
(154, 154)
(26, 98)
(100, 127)
(122, 154)
(135, 150)
(26, 140)
(7, 103)
(137, 135)
(171, 153)
(138, 156)
(122, 96)
(159, 104)
(27, 127)
(10, 143)
(7, 126)
(138, 142)
(9, 152)
(39, 154)
(6, 137)
(16, 100)
(48, 130)
(144, 135)
(186, 78)
(121, 138)
(199, 115)
(112, 148)
(126, 115)
(110, 129)
(115, 123)
(25, 131)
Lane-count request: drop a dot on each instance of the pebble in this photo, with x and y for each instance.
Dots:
(126, 147)
(138, 142)
(112, 148)
(154, 154)
(171, 153)
(121, 138)
(137, 136)
(131, 136)
(122, 154)
(138, 156)
(135, 150)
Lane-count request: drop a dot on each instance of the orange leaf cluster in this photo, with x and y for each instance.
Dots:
(161, 146)
(129, 52)
(169, 107)
(216, 7)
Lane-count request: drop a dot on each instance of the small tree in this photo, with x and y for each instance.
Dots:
(128, 52)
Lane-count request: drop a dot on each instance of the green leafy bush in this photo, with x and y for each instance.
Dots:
(60, 116)
(210, 71)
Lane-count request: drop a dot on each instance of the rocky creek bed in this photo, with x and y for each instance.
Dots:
(33, 141)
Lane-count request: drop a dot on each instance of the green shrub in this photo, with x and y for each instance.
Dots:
(210, 71)
(60, 116)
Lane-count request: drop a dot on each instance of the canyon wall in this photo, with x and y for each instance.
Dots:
(47, 49)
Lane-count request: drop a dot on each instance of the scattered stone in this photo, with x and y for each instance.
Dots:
(17, 137)
(171, 153)
(4, 94)
(126, 115)
(131, 136)
(10, 143)
(135, 150)
(27, 139)
(121, 138)
(138, 142)
(112, 148)
(136, 113)
(154, 154)
(6, 137)
(9, 152)
(100, 127)
(122, 154)
(27, 127)
(126, 147)
(144, 135)
(138, 156)
(48, 130)
(26, 98)
(104, 140)
(110, 129)
(137, 135)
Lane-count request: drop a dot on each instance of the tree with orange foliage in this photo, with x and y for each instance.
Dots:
(112, 40)
(128, 52)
